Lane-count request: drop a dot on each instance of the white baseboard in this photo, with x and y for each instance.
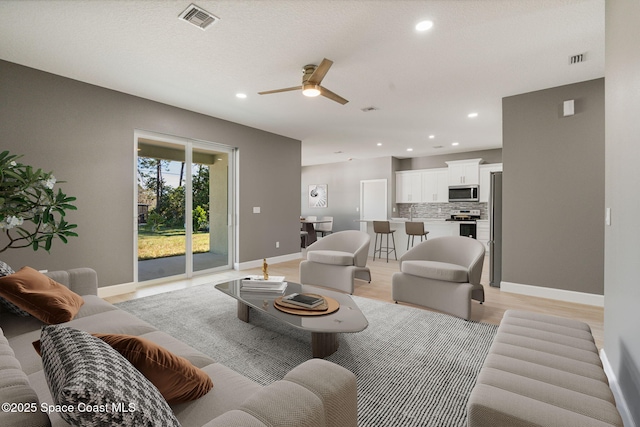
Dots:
(552, 293)
(110, 291)
(274, 260)
(621, 403)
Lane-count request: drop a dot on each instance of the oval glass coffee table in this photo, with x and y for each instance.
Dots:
(324, 329)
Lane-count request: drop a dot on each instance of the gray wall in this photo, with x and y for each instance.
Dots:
(622, 245)
(84, 134)
(553, 190)
(343, 181)
(432, 162)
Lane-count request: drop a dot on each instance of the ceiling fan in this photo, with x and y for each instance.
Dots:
(311, 78)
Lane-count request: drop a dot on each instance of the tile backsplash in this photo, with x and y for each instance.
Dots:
(440, 210)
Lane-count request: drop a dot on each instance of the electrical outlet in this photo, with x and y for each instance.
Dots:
(277, 245)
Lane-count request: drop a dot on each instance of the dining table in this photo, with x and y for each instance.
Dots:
(308, 226)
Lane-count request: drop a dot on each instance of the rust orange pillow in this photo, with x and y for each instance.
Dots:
(40, 296)
(177, 379)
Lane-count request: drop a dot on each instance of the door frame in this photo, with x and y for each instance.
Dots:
(232, 206)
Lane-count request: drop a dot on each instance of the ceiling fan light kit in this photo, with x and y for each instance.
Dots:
(310, 90)
(312, 76)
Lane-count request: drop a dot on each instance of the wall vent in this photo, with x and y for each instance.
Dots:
(576, 59)
(198, 16)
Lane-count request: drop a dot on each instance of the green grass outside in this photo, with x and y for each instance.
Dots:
(167, 243)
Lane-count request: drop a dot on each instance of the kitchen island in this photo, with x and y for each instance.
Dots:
(436, 227)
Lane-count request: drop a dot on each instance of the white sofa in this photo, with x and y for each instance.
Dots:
(336, 260)
(316, 393)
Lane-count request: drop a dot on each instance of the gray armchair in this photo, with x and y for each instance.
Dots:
(442, 273)
(336, 260)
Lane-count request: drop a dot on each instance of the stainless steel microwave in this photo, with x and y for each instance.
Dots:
(464, 193)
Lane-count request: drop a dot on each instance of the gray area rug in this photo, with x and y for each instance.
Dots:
(413, 367)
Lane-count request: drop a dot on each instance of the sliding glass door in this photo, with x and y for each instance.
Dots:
(184, 210)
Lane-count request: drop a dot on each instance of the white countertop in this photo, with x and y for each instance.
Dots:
(402, 220)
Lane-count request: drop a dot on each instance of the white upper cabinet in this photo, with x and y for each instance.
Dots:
(408, 187)
(485, 180)
(464, 172)
(435, 185)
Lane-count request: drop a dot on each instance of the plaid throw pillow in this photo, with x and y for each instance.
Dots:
(101, 386)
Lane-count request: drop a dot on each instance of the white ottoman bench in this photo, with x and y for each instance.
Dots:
(542, 371)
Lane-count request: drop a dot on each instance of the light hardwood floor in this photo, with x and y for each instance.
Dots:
(491, 311)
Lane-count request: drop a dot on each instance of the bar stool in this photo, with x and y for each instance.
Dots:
(414, 229)
(381, 228)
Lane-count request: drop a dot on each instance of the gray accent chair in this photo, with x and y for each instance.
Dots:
(336, 260)
(442, 273)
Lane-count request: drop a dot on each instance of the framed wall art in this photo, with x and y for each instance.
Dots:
(318, 196)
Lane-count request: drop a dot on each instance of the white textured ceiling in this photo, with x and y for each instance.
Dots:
(422, 83)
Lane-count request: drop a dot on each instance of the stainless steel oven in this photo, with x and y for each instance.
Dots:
(468, 229)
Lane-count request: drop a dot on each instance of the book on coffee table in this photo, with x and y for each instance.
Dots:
(303, 301)
(260, 281)
(274, 289)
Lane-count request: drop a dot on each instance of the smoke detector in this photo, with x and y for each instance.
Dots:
(199, 17)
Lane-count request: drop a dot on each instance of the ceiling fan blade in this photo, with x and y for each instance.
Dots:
(320, 71)
(280, 90)
(332, 96)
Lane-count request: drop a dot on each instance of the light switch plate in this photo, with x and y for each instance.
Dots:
(607, 216)
(256, 209)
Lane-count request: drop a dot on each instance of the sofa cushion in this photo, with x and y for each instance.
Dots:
(40, 296)
(331, 257)
(17, 392)
(6, 270)
(174, 376)
(436, 270)
(96, 385)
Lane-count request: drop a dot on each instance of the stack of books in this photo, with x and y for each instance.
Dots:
(274, 285)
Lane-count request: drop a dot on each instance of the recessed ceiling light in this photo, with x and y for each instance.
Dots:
(379, 144)
(409, 149)
(431, 136)
(455, 143)
(472, 115)
(241, 95)
(424, 25)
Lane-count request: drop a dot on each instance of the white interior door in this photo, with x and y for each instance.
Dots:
(373, 201)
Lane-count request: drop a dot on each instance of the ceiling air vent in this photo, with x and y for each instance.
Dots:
(576, 59)
(367, 109)
(198, 16)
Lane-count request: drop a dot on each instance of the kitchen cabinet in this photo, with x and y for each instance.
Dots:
(464, 172)
(408, 187)
(435, 185)
(485, 180)
(483, 234)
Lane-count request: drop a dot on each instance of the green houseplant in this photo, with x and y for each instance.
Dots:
(32, 214)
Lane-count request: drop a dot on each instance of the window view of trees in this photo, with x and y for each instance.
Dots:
(161, 227)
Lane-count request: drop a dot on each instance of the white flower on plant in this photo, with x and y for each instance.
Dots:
(13, 163)
(49, 183)
(11, 221)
